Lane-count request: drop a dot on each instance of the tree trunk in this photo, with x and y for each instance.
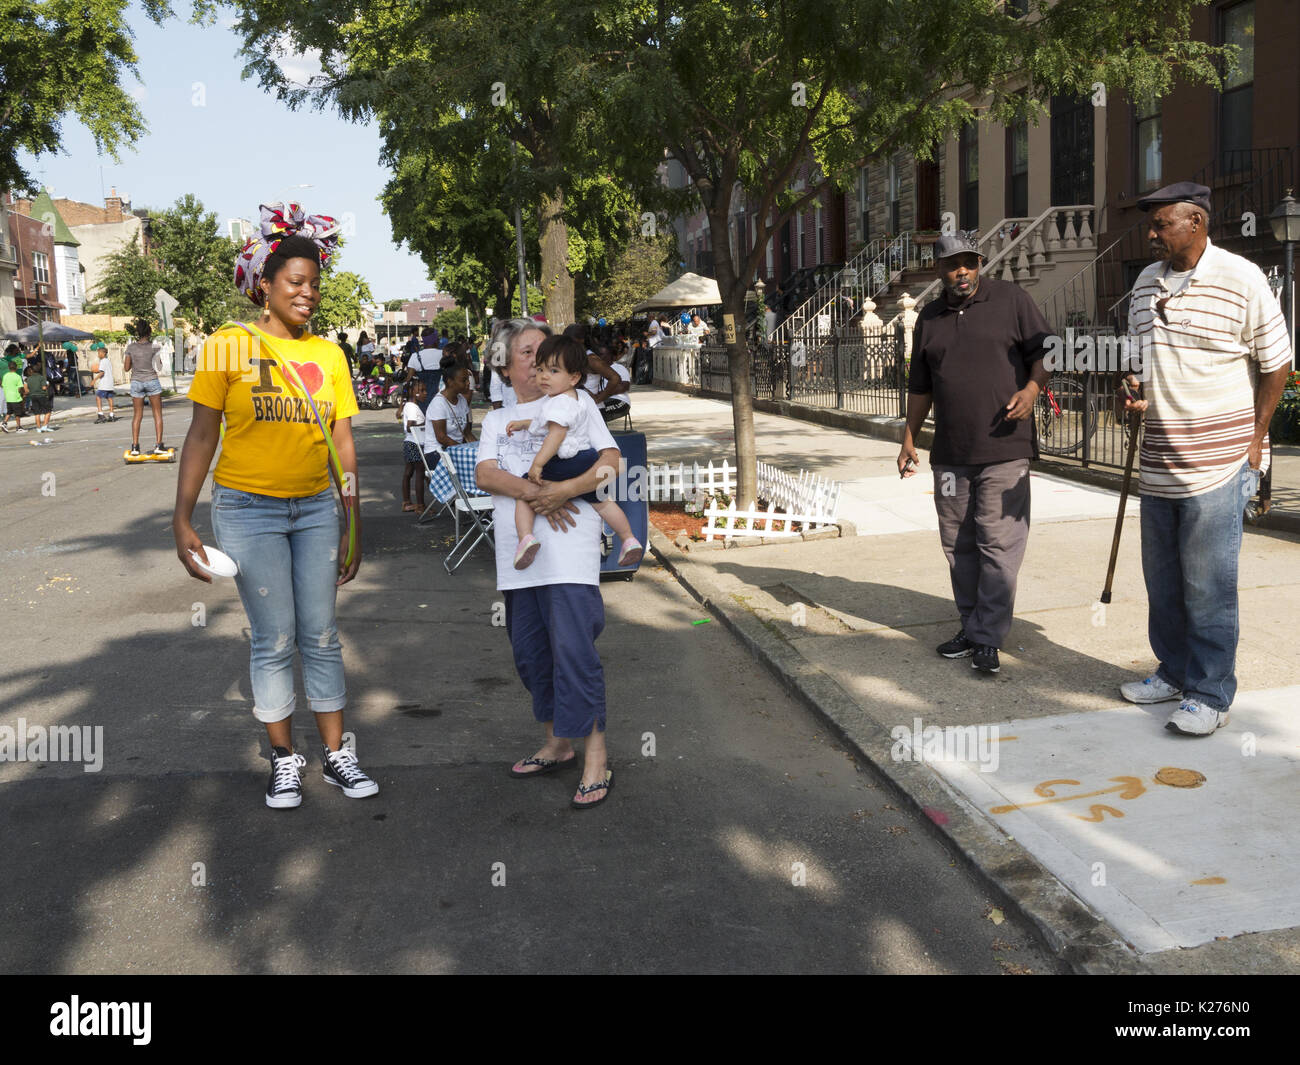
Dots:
(732, 290)
(557, 284)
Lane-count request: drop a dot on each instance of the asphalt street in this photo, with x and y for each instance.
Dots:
(728, 792)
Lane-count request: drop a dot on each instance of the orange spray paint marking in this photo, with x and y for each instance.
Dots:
(1129, 788)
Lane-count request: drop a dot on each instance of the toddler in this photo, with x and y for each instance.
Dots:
(565, 420)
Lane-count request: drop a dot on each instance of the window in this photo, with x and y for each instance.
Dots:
(968, 152)
(821, 235)
(1146, 142)
(41, 267)
(799, 240)
(894, 195)
(1018, 169)
(864, 205)
(1237, 101)
(771, 272)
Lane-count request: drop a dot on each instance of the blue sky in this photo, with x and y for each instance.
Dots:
(234, 147)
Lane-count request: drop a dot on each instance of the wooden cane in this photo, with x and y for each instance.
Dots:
(1134, 423)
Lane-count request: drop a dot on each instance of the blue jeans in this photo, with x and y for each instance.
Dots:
(1189, 560)
(287, 551)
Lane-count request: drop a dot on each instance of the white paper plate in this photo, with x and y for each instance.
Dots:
(219, 564)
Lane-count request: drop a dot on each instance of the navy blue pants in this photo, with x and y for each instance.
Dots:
(566, 469)
(553, 630)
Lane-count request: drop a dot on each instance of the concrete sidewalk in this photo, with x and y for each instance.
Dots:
(1061, 796)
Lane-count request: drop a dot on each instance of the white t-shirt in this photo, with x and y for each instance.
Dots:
(577, 415)
(569, 557)
(415, 435)
(456, 417)
(105, 383)
(426, 359)
(697, 329)
(653, 334)
(501, 392)
(595, 383)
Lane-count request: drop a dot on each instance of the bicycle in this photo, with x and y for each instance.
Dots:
(1062, 414)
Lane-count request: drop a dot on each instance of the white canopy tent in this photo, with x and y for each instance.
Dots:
(689, 290)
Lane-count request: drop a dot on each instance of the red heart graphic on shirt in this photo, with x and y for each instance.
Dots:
(310, 374)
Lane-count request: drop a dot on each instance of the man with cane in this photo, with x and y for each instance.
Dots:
(1215, 355)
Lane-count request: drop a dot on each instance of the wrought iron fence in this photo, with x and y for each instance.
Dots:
(1077, 417)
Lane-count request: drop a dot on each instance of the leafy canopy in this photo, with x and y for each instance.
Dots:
(61, 57)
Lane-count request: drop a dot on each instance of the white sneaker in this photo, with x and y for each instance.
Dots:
(1151, 690)
(1194, 718)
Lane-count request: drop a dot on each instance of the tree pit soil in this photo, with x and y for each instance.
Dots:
(671, 518)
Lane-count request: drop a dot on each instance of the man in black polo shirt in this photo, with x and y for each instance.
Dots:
(977, 356)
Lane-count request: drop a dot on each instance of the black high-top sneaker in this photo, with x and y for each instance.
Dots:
(341, 770)
(284, 789)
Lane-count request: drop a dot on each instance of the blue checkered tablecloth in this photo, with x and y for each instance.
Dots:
(464, 457)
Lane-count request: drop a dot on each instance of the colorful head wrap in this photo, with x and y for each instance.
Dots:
(280, 220)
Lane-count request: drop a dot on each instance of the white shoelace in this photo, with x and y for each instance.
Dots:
(345, 764)
(286, 772)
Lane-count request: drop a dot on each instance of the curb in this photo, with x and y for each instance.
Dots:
(1084, 942)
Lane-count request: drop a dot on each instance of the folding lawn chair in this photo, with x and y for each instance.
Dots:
(477, 508)
(440, 494)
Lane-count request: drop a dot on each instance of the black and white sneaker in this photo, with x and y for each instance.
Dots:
(985, 659)
(341, 770)
(135, 449)
(957, 647)
(159, 449)
(284, 790)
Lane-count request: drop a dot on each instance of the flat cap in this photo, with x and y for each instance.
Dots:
(956, 244)
(1178, 192)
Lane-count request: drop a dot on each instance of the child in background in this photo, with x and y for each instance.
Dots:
(411, 416)
(566, 452)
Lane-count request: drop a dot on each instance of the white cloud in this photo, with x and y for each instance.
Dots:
(138, 93)
(299, 67)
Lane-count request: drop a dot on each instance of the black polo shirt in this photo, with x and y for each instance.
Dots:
(973, 358)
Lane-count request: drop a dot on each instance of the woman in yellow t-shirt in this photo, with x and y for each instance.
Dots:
(273, 509)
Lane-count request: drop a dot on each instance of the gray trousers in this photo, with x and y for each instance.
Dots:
(984, 526)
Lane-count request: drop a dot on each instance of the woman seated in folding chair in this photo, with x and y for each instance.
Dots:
(611, 387)
(554, 610)
(446, 420)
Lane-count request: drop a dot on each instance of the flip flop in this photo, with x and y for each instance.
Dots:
(548, 765)
(606, 785)
(408, 507)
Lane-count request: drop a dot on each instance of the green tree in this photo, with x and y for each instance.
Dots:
(65, 56)
(343, 297)
(473, 110)
(197, 263)
(745, 94)
(641, 270)
(128, 284)
(395, 305)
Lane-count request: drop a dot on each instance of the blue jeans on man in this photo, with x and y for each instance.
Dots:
(1190, 549)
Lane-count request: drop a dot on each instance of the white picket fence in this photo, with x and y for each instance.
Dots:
(802, 503)
(722, 522)
(805, 494)
(673, 483)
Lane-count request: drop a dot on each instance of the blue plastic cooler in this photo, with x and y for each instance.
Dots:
(633, 487)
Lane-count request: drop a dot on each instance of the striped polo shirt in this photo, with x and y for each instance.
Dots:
(1223, 327)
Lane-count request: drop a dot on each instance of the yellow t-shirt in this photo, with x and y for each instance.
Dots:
(273, 446)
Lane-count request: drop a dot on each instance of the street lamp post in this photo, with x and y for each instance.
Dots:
(1285, 221)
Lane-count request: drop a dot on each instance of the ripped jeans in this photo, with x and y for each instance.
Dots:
(287, 551)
